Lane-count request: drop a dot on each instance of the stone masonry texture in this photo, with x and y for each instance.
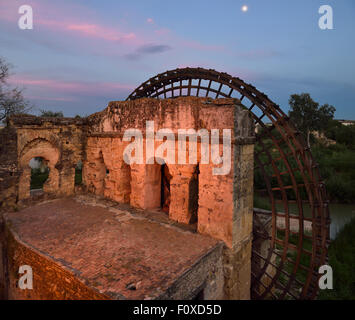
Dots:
(121, 245)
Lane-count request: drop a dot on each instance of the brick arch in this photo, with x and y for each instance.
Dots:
(38, 147)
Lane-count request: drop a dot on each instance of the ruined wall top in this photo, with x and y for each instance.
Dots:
(31, 120)
(179, 113)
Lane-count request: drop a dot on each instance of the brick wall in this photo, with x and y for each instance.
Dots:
(51, 281)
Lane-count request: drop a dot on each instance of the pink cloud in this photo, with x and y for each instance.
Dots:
(62, 22)
(73, 26)
(50, 98)
(69, 87)
(97, 31)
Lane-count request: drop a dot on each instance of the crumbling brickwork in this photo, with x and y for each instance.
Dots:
(220, 205)
(59, 141)
(9, 173)
(52, 281)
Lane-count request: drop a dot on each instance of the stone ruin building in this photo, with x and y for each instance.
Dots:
(150, 230)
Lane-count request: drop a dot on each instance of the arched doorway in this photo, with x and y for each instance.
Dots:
(46, 176)
(39, 175)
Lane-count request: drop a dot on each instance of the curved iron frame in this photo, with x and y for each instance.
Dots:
(289, 174)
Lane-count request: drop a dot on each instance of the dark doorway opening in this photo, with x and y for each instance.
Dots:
(193, 195)
(39, 173)
(79, 173)
(165, 188)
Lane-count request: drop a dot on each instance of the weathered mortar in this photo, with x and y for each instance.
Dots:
(60, 141)
(52, 281)
(225, 202)
(65, 267)
(9, 173)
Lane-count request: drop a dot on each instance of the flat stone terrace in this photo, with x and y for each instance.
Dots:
(121, 252)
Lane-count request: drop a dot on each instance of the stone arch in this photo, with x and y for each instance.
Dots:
(38, 147)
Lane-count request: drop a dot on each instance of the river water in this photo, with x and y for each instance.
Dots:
(340, 215)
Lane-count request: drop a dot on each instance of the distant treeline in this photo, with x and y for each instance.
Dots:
(335, 153)
(337, 162)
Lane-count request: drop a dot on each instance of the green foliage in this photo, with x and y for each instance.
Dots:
(51, 114)
(341, 134)
(342, 261)
(261, 202)
(336, 163)
(307, 115)
(304, 259)
(38, 178)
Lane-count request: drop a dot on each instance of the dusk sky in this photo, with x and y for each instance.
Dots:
(82, 54)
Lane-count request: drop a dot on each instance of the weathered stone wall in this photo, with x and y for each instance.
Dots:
(179, 113)
(60, 141)
(222, 204)
(207, 276)
(106, 173)
(3, 261)
(262, 231)
(50, 280)
(56, 278)
(9, 174)
(225, 202)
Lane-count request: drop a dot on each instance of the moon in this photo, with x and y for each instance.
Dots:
(245, 8)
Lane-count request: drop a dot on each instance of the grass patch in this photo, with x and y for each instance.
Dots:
(38, 178)
(261, 202)
(342, 261)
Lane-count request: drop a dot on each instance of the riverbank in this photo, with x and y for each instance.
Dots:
(340, 213)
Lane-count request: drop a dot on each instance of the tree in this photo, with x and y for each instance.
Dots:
(341, 134)
(308, 116)
(51, 114)
(11, 100)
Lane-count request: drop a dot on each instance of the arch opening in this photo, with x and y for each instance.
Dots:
(39, 174)
(78, 178)
(193, 195)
